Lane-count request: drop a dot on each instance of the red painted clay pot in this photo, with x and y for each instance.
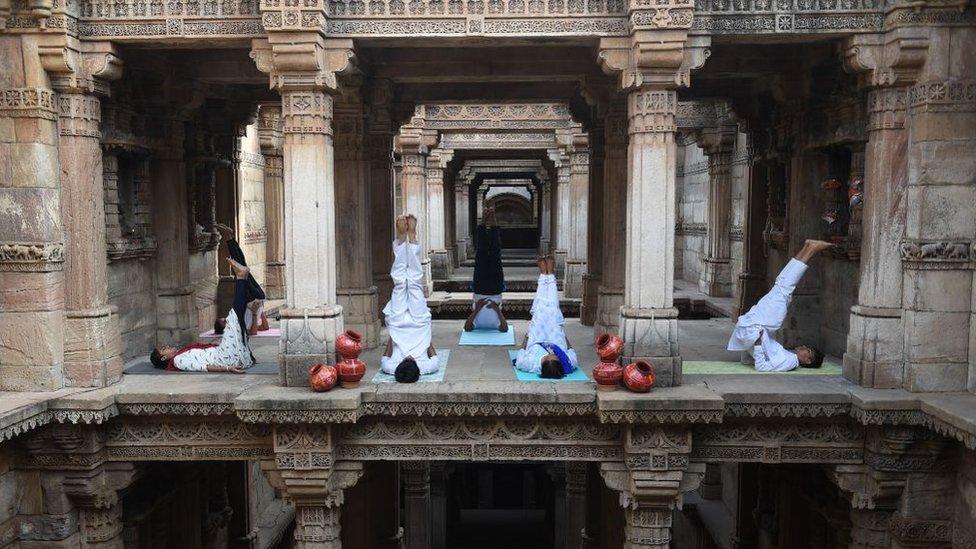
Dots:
(608, 375)
(609, 347)
(349, 344)
(351, 370)
(639, 376)
(322, 377)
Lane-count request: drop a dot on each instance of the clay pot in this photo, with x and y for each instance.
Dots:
(608, 375)
(349, 344)
(609, 347)
(639, 376)
(351, 370)
(322, 377)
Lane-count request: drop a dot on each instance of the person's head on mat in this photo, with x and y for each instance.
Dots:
(160, 356)
(809, 356)
(407, 371)
(552, 368)
(219, 325)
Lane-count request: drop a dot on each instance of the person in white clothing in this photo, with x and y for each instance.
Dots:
(545, 350)
(488, 282)
(409, 351)
(754, 331)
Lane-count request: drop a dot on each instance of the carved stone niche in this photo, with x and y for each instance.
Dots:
(128, 202)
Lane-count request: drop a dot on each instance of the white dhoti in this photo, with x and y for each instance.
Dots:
(407, 314)
(546, 326)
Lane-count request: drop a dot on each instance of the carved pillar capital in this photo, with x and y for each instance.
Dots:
(660, 51)
(303, 60)
(79, 67)
(270, 124)
(890, 59)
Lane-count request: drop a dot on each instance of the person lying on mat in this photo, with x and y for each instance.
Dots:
(409, 351)
(545, 350)
(254, 317)
(754, 330)
(232, 355)
(489, 278)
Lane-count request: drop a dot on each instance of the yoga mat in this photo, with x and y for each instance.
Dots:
(442, 358)
(488, 337)
(712, 367)
(577, 375)
(270, 332)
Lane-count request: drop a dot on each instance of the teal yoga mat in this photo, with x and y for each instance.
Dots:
(577, 375)
(442, 358)
(489, 337)
(708, 367)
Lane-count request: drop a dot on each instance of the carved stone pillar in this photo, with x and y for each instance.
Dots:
(416, 503)
(656, 473)
(439, 475)
(611, 296)
(576, 504)
(356, 293)
(269, 133)
(752, 281)
(440, 262)
(545, 238)
(461, 225)
(648, 319)
(379, 153)
(413, 146)
(305, 472)
(578, 195)
(563, 224)
(716, 275)
(595, 227)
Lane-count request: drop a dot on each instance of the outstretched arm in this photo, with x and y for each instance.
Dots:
(502, 323)
(469, 323)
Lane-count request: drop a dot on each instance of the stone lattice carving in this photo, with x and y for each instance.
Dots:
(28, 102)
(787, 16)
(26, 256)
(167, 438)
(779, 443)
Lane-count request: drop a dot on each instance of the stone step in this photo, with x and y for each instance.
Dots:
(464, 285)
(516, 305)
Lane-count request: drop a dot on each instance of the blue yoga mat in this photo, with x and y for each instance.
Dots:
(488, 337)
(442, 357)
(577, 375)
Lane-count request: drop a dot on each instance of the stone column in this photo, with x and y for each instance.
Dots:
(579, 183)
(752, 281)
(356, 293)
(269, 133)
(595, 227)
(32, 250)
(440, 262)
(716, 274)
(461, 225)
(648, 319)
(413, 148)
(611, 296)
(545, 233)
(176, 321)
(576, 504)
(379, 151)
(557, 474)
(416, 503)
(439, 475)
(564, 227)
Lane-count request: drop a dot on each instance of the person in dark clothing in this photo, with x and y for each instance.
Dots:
(489, 278)
(254, 317)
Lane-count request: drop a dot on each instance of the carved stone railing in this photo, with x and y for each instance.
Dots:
(139, 20)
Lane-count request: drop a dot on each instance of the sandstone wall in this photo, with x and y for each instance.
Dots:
(203, 280)
(132, 289)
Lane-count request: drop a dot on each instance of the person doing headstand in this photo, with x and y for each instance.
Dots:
(231, 355)
(254, 317)
(409, 351)
(489, 278)
(545, 350)
(754, 330)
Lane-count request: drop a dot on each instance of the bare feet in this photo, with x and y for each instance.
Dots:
(412, 227)
(225, 232)
(401, 228)
(240, 271)
(541, 261)
(811, 248)
(551, 264)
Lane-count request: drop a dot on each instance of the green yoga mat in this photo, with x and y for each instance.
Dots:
(577, 375)
(713, 367)
(442, 357)
(489, 337)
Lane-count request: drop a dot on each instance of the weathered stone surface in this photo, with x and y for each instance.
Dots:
(31, 350)
(31, 291)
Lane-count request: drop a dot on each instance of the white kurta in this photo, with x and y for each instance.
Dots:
(232, 351)
(764, 319)
(407, 315)
(487, 319)
(546, 326)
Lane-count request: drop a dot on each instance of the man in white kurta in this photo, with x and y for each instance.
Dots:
(407, 315)
(546, 327)
(755, 331)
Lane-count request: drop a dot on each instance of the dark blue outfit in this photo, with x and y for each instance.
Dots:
(488, 276)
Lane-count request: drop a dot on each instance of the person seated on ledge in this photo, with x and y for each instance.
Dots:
(545, 350)
(409, 352)
(489, 279)
(254, 317)
(231, 355)
(754, 330)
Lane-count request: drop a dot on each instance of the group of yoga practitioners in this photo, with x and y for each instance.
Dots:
(545, 350)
